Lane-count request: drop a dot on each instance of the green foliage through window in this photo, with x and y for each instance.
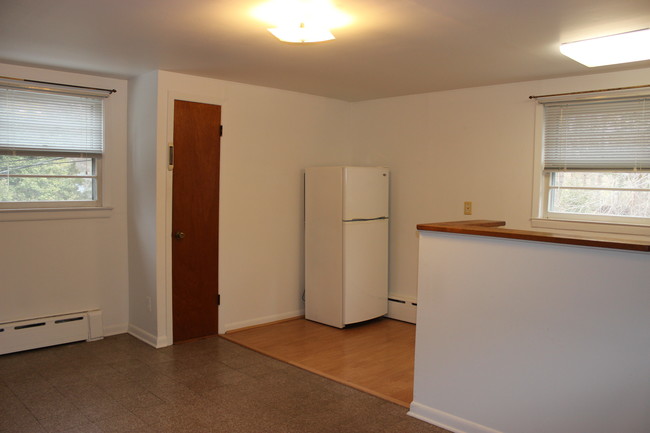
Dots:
(46, 178)
(600, 193)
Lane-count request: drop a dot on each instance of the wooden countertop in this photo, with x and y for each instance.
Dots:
(495, 229)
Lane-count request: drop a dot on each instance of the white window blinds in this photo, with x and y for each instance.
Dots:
(597, 134)
(49, 122)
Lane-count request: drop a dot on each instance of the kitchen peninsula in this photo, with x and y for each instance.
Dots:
(525, 332)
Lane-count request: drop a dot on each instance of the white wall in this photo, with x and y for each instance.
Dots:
(143, 202)
(530, 337)
(68, 261)
(444, 148)
(270, 136)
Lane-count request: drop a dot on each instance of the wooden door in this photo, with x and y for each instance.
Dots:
(195, 220)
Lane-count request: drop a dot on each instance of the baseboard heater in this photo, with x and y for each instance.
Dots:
(50, 331)
(402, 308)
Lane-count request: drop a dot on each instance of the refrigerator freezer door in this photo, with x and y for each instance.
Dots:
(365, 192)
(365, 270)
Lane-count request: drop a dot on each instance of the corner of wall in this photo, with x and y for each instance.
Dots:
(150, 339)
(142, 218)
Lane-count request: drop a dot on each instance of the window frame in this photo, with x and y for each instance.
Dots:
(97, 176)
(543, 218)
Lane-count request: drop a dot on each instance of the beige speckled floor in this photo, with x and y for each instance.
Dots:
(120, 385)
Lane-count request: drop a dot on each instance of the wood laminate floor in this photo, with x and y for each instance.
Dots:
(376, 356)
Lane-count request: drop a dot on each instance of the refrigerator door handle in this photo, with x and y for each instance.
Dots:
(365, 219)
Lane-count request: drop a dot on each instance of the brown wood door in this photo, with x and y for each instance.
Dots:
(195, 220)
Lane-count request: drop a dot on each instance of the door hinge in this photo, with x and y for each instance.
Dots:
(218, 299)
(170, 165)
(220, 130)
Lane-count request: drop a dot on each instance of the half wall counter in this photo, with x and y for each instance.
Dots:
(530, 332)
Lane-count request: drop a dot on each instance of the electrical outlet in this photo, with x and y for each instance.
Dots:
(467, 208)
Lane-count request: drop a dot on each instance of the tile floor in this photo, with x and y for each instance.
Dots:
(121, 385)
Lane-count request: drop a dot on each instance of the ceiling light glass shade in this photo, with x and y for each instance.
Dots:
(302, 34)
(286, 13)
(610, 50)
(301, 21)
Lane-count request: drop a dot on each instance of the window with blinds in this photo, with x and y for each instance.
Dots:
(596, 159)
(51, 145)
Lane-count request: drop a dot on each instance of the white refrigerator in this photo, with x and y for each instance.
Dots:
(346, 244)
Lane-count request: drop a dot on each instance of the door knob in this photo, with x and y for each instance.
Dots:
(179, 235)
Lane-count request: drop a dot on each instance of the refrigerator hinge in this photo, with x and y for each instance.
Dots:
(218, 299)
(220, 130)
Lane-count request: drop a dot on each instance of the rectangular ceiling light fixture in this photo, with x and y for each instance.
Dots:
(302, 34)
(610, 50)
(301, 21)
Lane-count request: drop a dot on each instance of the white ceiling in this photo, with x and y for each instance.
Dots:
(394, 47)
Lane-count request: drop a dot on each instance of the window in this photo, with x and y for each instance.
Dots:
(595, 160)
(51, 145)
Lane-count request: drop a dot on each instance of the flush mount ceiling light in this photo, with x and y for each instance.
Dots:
(301, 21)
(610, 50)
(302, 34)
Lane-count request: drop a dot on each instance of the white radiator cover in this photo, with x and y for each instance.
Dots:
(50, 331)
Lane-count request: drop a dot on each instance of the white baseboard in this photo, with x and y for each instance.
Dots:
(262, 320)
(147, 337)
(116, 329)
(447, 421)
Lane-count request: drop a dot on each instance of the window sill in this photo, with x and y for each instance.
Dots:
(64, 213)
(591, 226)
